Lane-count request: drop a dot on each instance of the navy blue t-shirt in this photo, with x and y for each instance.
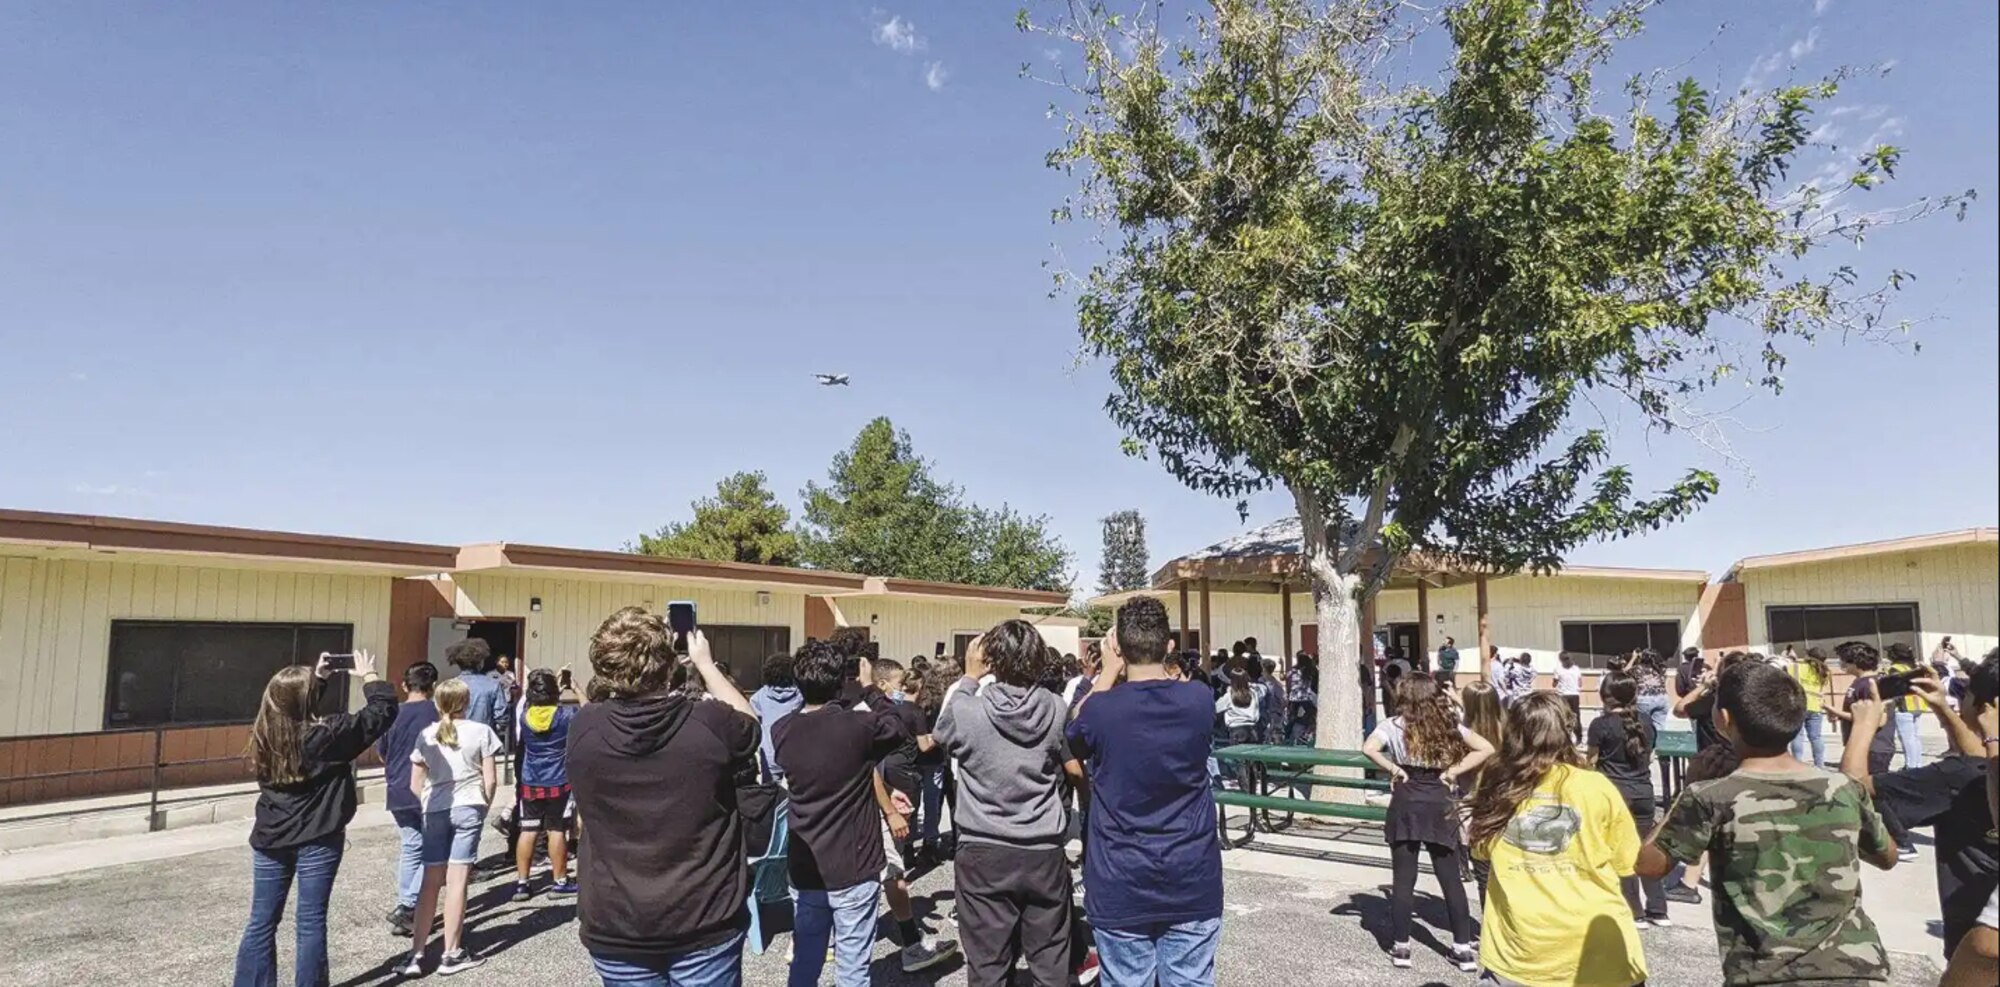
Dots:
(395, 747)
(1154, 854)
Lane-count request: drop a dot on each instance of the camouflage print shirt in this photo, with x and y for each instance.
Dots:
(1785, 862)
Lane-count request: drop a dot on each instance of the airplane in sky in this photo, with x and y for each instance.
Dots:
(832, 380)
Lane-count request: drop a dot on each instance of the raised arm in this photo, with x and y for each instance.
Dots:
(717, 683)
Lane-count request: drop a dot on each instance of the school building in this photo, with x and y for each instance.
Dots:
(1916, 590)
(134, 652)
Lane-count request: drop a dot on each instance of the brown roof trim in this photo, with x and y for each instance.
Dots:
(514, 555)
(967, 591)
(113, 533)
(1942, 539)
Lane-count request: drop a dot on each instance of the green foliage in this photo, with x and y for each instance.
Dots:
(882, 513)
(1124, 564)
(1390, 299)
(743, 522)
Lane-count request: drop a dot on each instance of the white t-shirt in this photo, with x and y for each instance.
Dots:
(1241, 716)
(453, 775)
(1569, 681)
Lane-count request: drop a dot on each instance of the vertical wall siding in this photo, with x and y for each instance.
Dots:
(1526, 613)
(56, 614)
(906, 628)
(573, 608)
(1956, 590)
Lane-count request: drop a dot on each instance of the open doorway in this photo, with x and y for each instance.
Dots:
(1403, 637)
(503, 635)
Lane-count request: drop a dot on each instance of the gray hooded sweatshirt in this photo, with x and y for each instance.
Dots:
(1010, 745)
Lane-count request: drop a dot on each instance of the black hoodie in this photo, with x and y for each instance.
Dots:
(662, 868)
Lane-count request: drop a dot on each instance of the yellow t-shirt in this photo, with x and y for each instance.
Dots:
(1812, 682)
(1555, 916)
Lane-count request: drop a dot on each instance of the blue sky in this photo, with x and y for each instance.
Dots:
(457, 272)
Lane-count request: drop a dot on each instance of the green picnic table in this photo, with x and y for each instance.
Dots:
(1674, 748)
(1265, 769)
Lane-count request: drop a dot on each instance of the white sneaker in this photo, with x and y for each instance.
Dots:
(1661, 922)
(928, 953)
(413, 967)
(1466, 956)
(458, 961)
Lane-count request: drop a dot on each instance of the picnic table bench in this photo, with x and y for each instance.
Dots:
(1270, 767)
(1674, 748)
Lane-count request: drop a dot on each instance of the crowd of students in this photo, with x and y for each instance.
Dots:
(1557, 821)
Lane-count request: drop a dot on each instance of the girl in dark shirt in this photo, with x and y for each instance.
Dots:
(305, 799)
(1622, 742)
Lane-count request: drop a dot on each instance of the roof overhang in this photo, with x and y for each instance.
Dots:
(502, 558)
(90, 537)
(935, 592)
(1836, 553)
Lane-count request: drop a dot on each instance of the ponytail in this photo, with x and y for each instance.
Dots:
(1239, 684)
(1620, 691)
(451, 697)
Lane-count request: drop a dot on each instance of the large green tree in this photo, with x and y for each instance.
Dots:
(743, 522)
(881, 512)
(1124, 564)
(1329, 269)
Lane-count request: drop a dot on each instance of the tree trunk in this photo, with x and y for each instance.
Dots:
(1339, 615)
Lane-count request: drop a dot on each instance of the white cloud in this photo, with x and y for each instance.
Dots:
(935, 75)
(1819, 6)
(897, 34)
(78, 376)
(98, 489)
(1804, 46)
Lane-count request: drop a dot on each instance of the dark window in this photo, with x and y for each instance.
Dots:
(1596, 643)
(180, 672)
(961, 642)
(1879, 624)
(742, 649)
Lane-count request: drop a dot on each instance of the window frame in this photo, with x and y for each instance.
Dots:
(1805, 611)
(333, 694)
(1590, 660)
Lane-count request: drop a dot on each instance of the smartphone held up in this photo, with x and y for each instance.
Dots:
(681, 621)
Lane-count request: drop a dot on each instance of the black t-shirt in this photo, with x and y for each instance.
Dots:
(1606, 739)
(1884, 743)
(934, 757)
(829, 756)
(899, 769)
(662, 869)
(1949, 795)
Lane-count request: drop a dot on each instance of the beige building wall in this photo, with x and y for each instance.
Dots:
(906, 627)
(1524, 613)
(1956, 589)
(559, 634)
(56, 614)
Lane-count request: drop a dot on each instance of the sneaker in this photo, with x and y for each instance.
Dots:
(1683, 894)
(928, 953)
(412, 967)
(521, 892)
(1399, 956)
(1466, 956)
(1660, 921)
(1086, 972)
(400, 920)
(563, 887)
(458, 961)
(1906, 854)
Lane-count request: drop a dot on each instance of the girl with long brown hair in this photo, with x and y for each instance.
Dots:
(1622, 742)
(1559, 839)
(305, 799)
(1424, 750)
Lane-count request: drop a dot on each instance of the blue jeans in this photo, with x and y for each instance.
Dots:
(1810, 737)
(716, 966)
(271, 872)
(1654, 709)
(1180, 955)
(847, 919)
(932, 809)
(410, 860)
(1907, 736)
